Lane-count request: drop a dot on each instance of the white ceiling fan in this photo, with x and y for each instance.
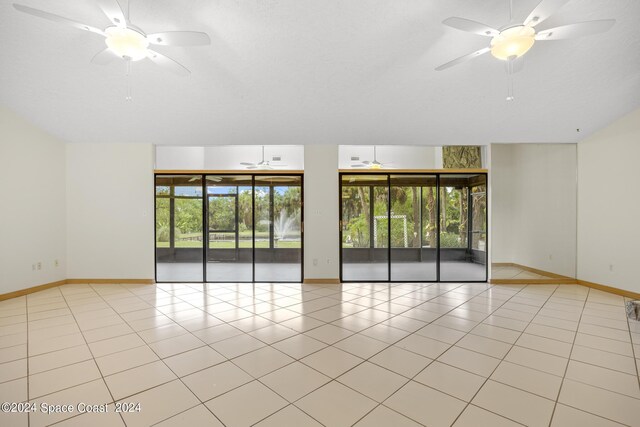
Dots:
(208, 178)
(262, 164)
(375, 164)
(514, 39)
(125, 40)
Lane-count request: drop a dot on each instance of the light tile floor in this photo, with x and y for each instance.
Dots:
(299, 355)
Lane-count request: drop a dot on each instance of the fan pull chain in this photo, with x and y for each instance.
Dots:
(510, 71)
(510, 96)
(128, 97)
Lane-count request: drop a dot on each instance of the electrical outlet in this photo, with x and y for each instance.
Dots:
(33, 267)
(39, 265)
(315, 261)
(56, 263)
(550, 257)
(610, 267)
(328, 261)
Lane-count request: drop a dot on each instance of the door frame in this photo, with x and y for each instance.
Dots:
(205, 220)
(437, 173)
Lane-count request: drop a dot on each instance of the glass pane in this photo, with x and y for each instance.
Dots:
(179, 228)
(222, 212)
(413, 224)
(463, 222)
(278, 230)
(230, 216)
(365, 227)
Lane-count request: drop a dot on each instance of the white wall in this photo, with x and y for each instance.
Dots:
(609, 205)
(110, 211)
(227, 157)
(179, 158)
(321, 234)
(502, 193)
(534, 206)
(393, 156)
(32, 213)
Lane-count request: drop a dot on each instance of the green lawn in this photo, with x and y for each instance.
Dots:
(228, 244)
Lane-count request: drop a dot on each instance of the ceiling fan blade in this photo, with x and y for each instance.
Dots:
(578, 29)
(56, 18)
(358, 166)
(543, 10)
(463, 58)
(214, 178)
(114, 12)
(167, 63)
(247, 164)
(179, 38)
(470, 26)
(366, 162)
(103, 57)
(252, 167)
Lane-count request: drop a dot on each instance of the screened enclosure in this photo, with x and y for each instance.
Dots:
(413, 227)
(228, 228)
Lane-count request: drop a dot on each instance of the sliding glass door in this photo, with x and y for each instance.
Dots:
(364, 227)
(179, 236)
(405, 227)
(413, 228)
(463, 228)
(278, 231)
(253, 228)
(230, 224)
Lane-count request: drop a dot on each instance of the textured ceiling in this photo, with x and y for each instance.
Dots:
(319, 71)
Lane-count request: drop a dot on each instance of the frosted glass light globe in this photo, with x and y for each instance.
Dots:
(127, 43)
(513, 42)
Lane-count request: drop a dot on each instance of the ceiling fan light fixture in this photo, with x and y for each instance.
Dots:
(513, 42)
(127, 43)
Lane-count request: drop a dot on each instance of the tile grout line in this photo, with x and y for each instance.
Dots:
(328, 345)
(505, 355)
(501, 359)
(451, 308)
(72, 386)
(292, 403)
(428, 364)
(90, 351)
(388, 346)
(369, 296)
(433, 360)
(582, 382)
(160, 359)
(555, 405)
(633, 347)
(26, 308)
(392, 316)
(258, 378)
